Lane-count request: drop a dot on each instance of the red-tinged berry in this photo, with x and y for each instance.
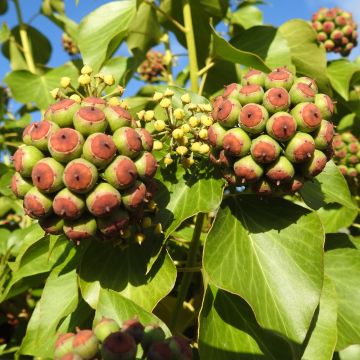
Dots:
(300, 148)
(281, 126)
(134, 328)
(134, 196)
(231, 91)
(147, 141)
(68, 205)
(153, 333)
(63, 345)
(105, 327)
(293, 186)
(127, 141)
(280, 77)
(89, 120)
(324, 135)
(25, 159)
(247, 170)
(253, 118)
(264, 149)
(216, 135)
(62, 112)
(99, 149)
(276, 99)
(146, 165)
(37, 204)
(40, 133)
(52, 224)
(236, 142)
(307, 81)
(71, 356)
(160, 351)
(92, 101)
(119, 346)
(254, 77)
(85, 344)
(263, 187)
(80, 229)
(117, 117)
(328, 27)
(121, 173)
(301, 92)
(322, 36)
(251, 94)
(329, 45)
(281, 171)
(80, 176)
(113, 224)
(307, 115)
(226, 111)
(19, 185)
(47, 175)
(315, 165)
(26, 135)
(325, 105)
(180, 348)
(103, 200)
(65, 145)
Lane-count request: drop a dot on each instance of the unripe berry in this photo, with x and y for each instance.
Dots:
(99, 149)
(25, 159)
(121, 173)
(63, 345)
(325, 105)
(280, 171)
(113, 224)
(301, 92)
(180, 348)
(93, 101)
(336, 36)
(103, 200)
(134, 328)
(26, 135)
(36, 204)
(119, 346)
(329, 45)
(307, 115)
(160, 351)
(226, 111)
(280, 77)
(146, 165)
(307, 81)
(71, 356)
(281, 126)
(47, 175)
(262, 187)
(322, 36)
(216, 135)
(324, 135)
(52, 224)
(254, 77)
(65, 145)
(89, 120)
(276, 99)
(105, 327)
(264, 149)
(247, 170)
(232, 91)
(293, 186)
(134, 196)
(62, 112)
(80, 176)
(152, 334)
(80, 229)
(328, 27)
(315, 165)
(253, 118)
(251, 94)
(300, 148)
(117, 117)
(127, 141)
(40, 133)
(147, 141)
(68, 205)
(85, 344)
(236, 142)
(19, 185)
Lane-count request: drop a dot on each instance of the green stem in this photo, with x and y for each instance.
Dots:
(190, 41)
(187, 277)
(25, 40)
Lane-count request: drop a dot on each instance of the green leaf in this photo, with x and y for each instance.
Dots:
(17, 61)
(228, 331)
(306, 54)
(215, 8)
(328, 187)
(323, 338)
(39, 44)
(348, 122)
(340, 73)
(266, 42)
(247, 16)
(336, 216)
(59, 298)
(350, 353)
(144, 31)
(129, 278)
(4, 33)
(115, 306)
(120, 68)
(342, 266)
(265, 247)
(27, 87)
(222, 49)
(108, 23)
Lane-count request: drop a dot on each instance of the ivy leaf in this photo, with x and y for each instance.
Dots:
(101, 32)
(258, 249)
(342, 266)
(335, 216)
(247, 16)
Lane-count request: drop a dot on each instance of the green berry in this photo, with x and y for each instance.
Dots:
(236, 142)
(253, 118)
(264, 149)
(25, 159)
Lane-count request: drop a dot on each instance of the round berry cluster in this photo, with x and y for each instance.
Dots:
(272, 132)
(107, 341)
(153, 66)
(68, 44)
(86, 168)
(336, 30)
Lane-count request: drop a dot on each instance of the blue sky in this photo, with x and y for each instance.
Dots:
(276, 12)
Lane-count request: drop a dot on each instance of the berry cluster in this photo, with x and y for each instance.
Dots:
(272, 132)
(347, 154)
(86, 167)
(107, 341)
(336, 30)
(153, 67)
(185, 125)
(68, 44)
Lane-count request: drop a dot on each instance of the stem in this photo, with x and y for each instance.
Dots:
(204, 71)
(190, 41)
(25, 40)
(206, 68)
(191, 263)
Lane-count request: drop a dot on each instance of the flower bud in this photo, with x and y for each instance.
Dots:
(157, 96)
(65, 81)
(149, 115)
(76, 98)
(84, 79)
(109, 79)
(194, 121)
(159, 125)
(114, 101)
(55, 93)
(182, 150)
(203, 134)
(141, 114)
(177, 134)
(186, 98)
(179, 114)
(168, 93)
(86, 70)
(168, 160)
(158, 145)
(185, 128)
(165, 103)
(204, 149)
(206, 120)
(195, 147)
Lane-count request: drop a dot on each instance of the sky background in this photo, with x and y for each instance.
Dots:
(275, 12)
